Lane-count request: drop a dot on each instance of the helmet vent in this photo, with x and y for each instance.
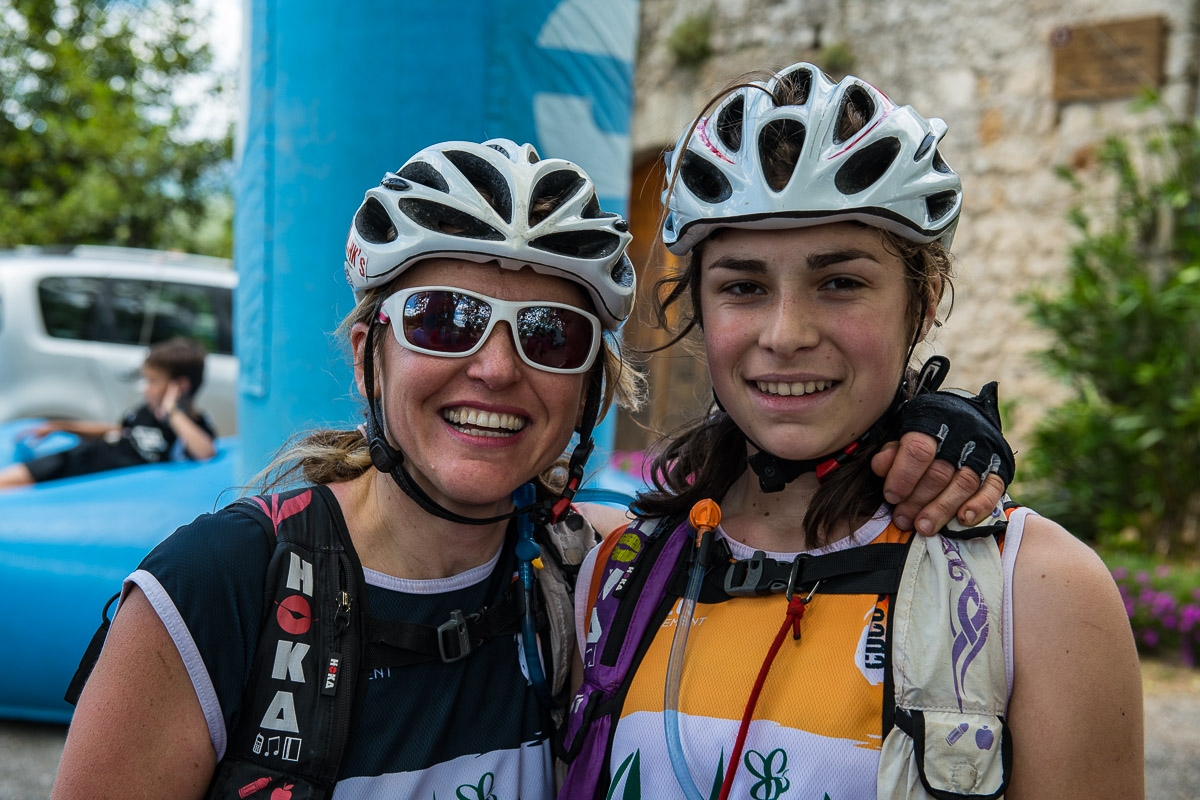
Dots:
(729, 123)
(486, 179)
(373, 224)
(551, 192)
(579, 244)
(703, 179)
(622, 272)
(592, 209)
(939, 165)
(793, 88)
(501, 151)
(926, 143)
(426, 175)
(856, 111)
(940, 204)
(779, 145)
(450, 221)
(866, 166)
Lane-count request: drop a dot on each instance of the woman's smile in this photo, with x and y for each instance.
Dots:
(481, 422)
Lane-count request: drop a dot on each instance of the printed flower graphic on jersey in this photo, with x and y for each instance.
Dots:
(770, 771)
(478, 791)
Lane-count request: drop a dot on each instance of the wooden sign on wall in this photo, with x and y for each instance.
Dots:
(1110, 60)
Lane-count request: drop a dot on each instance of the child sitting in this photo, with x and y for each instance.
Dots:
(165, 427)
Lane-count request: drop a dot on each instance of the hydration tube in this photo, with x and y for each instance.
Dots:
(529, 557)
(704, 517)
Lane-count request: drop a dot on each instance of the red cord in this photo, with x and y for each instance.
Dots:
(795, 612)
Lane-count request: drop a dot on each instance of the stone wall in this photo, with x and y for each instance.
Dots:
(986, 67)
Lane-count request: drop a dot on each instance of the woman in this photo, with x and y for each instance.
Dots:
(791, 643)
(465, 241)
(489, 285)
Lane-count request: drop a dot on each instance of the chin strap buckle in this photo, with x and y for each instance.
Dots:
(582, 452)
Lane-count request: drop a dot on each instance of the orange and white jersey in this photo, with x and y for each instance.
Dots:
(816, 730)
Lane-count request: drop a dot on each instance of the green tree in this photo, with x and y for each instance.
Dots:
(94, 144)
(1122, 454)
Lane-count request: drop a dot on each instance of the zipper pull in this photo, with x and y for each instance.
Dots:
(343, 611)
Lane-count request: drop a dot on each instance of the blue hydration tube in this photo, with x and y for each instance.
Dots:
(529, 554)
(687, 611)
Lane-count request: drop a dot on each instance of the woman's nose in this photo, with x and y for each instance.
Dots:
(497, 362)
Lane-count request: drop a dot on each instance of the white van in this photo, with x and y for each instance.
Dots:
(75, 324)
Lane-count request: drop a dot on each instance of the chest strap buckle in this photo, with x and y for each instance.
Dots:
(453, 638)
(756, 576)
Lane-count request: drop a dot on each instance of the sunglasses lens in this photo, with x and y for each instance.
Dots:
(444, 322)
(555, 337)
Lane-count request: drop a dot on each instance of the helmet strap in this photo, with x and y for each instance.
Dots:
(583, 450)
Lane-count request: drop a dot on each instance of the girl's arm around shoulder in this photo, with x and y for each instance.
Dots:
(1076, 707)
(138, 731)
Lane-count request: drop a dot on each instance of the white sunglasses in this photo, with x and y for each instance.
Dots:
(454, 323)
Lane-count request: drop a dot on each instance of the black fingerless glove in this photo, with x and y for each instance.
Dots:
(966, 427)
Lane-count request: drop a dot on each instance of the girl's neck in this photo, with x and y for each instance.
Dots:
(775, 521)
(396, 537)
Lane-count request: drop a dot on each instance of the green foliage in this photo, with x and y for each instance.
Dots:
(93, 142)
(837, 58)
(690, 42)
(1122, 454)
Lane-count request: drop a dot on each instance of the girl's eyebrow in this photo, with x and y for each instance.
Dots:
(739, 264)
(823, 260)
(816, 261)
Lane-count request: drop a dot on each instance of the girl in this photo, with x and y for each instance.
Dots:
(791, 640)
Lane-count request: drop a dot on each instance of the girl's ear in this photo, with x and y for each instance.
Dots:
(929, 320)
(358, 343)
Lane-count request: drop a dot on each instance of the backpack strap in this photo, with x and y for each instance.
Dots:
(304, 686)
(397, 643)
(633, 571)
(950, 738)
(564, 545)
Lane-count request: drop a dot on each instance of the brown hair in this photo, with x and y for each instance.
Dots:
(179, 357)
(693, 462)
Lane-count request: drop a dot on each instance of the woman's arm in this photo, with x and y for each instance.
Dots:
(138, 731)
(1076, 708)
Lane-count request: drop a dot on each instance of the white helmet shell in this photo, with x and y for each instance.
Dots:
(886, 172)
(474, 201)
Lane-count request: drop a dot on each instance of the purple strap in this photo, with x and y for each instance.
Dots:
(601, 681)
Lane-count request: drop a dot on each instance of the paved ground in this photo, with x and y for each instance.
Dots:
(29, 752)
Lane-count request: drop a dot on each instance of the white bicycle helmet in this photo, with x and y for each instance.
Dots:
(473, 201)
(859, 157)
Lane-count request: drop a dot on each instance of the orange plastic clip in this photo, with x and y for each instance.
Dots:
(704, 517)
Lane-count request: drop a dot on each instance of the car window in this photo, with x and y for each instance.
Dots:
(69, 306)
(137, 312)
(202, 313)
(128, 300)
